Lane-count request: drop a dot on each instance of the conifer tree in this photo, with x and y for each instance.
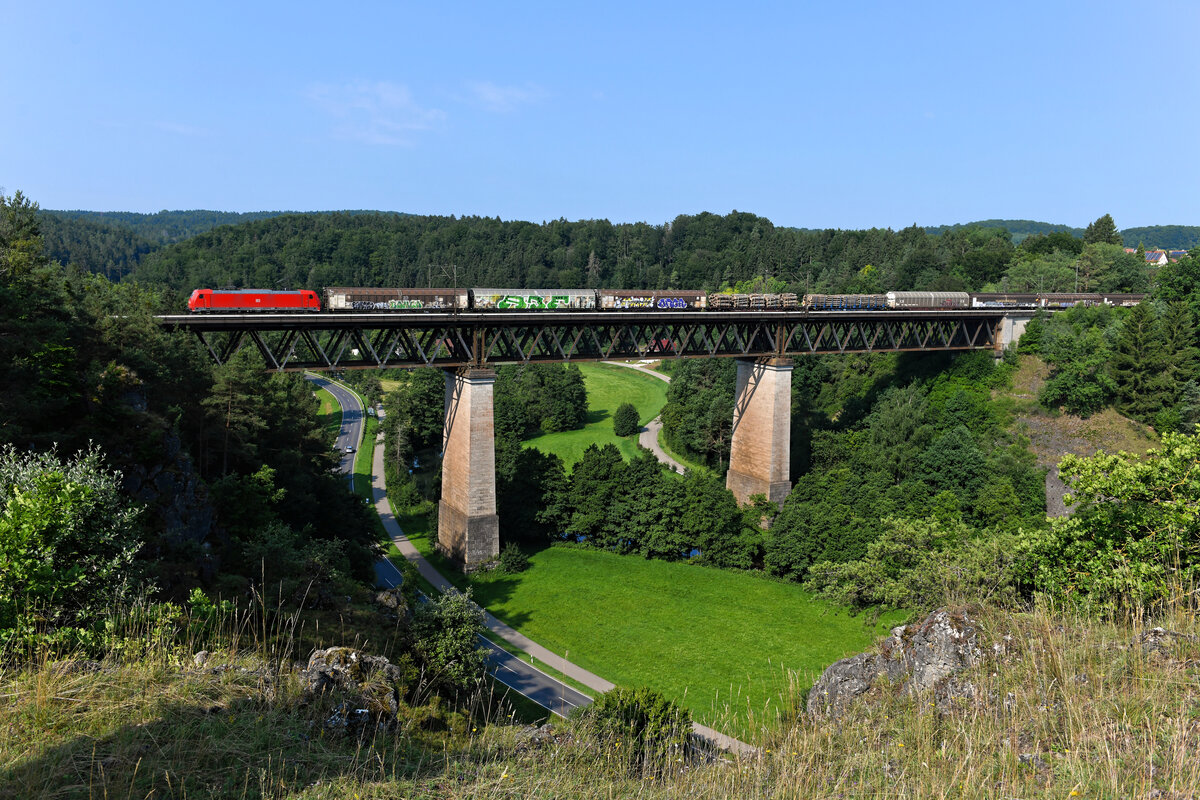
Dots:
(1179, 346)
(1103, 231)
(1139, 364)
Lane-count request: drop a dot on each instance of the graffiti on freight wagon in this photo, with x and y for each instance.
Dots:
(534, 302)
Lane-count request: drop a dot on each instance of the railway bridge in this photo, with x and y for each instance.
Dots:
(467, 345)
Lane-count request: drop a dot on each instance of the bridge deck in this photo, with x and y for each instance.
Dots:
(377, 340)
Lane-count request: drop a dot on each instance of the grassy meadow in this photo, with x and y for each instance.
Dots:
(608, 386)
(727, 645)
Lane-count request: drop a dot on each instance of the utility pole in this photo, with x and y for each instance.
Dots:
(450, 271)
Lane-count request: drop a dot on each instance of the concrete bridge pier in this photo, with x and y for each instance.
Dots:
(760, 450)
(468, 528)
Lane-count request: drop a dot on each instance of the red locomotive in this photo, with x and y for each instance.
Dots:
(242, 300)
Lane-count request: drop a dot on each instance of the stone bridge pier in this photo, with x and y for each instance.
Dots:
(760, 450)
(468, 528)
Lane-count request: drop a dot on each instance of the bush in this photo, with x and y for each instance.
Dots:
(446, 642)
(649, 727)
(1132, 544)
(512, 560)
(920, 565)
(626, 421)
(67, 541)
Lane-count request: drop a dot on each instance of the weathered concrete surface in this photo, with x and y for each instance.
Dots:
(468, 528)
(759, 455)
(1012, 326)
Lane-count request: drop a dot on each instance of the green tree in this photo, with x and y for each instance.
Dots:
(954, 462)
(1139, 365)
(446, 641)
(597, 486)
(1082, 381)
(1103, 231)
(1096, 265)
(1053, 272)
(625, 420)
(21, 249)
(67, 541)
(918, 565)
(1179, 346)
(1134, 541)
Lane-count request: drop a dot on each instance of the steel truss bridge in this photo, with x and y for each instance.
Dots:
(326, 341)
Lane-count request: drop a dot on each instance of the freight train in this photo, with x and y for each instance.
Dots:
(365, 299)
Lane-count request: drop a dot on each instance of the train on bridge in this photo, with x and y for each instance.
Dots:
(368, 299)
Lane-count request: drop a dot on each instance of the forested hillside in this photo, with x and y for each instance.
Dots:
(702, 251)
(163, 227)
(1163, 237)
(93, 246)
(222, 474)
(1018, 229)
(705, 250)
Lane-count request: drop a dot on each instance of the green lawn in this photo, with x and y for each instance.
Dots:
(607, 387)
(732, 647)
(363, 458)
(330, 413)
(722, 643)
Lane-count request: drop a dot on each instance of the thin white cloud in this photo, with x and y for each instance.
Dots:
(504, 99)
(376, 113)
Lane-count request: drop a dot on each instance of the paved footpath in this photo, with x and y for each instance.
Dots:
(575, 672)
(649, 436)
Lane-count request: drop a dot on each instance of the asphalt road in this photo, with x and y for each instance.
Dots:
(510, 670)
(351, 432)
(521, 677)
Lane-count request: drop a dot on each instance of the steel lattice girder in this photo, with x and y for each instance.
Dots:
(499, 341)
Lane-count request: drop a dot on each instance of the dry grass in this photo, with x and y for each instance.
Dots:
(1052, 434)
(1069, 708)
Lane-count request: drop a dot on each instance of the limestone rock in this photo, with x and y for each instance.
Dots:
(1160, 642)
(372, 681)
(919, 657)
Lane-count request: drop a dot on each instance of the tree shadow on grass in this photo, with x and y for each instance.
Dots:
(597, 415)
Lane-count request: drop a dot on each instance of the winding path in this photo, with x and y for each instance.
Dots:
(510, 670)
(649, 436)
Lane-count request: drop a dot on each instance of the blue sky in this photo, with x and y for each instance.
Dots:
(833, 114)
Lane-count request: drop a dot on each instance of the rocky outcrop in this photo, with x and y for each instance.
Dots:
(371, 685)
(921, 657)
(170, 488)
(1160, 643)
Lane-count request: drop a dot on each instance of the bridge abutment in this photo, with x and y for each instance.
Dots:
(468, 528)
(760, 450)
(1009, 331)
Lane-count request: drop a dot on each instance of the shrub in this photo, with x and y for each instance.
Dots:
(919, 565)
(512, 560)
(626, 421)
(446, 642)
(649, 727)
(67, 541)
(1133, 542)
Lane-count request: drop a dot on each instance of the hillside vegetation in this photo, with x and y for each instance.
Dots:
(1070, 707)
(174, 544)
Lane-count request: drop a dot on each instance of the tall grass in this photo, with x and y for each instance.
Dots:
(1066, 707)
